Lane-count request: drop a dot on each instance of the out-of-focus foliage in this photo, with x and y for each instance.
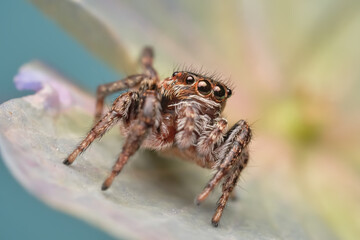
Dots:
(295, 69)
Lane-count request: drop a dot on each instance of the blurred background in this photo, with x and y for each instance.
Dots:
(294, 66)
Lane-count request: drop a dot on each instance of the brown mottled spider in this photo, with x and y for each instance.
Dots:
(182, 113)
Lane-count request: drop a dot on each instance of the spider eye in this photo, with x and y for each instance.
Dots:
(175, 74)
(219, 92)
(204, 87)
(229, 93)
(190, 80)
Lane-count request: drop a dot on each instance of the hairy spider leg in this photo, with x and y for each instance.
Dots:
(109, 88)
(146, 62)
(228, 187)
(145, 121)
(208, 141)
(238, 138)
(187, 117)
(118, 110)
(104, 90)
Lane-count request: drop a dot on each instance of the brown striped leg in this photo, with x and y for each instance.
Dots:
(137, 134)
(187, 117)
(109, 88)
(120, 106)
(98, 130)
(228, 187)
(146, 62)
(208, 140)
(239, 136)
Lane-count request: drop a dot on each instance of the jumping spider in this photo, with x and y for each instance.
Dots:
(181, 113)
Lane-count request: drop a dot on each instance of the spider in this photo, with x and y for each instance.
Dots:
(181, 113)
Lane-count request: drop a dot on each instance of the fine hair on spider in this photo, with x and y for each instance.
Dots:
(181, 114)
(202, 71)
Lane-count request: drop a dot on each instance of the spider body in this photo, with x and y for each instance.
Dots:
(181, 114)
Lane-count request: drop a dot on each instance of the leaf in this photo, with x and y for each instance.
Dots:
(153, 196)
(295, 68)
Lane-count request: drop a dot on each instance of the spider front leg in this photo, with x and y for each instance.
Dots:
(148, 113)
(234, 156)
(146, 62)
(186, 125)
(109, 88)
(119, 109)
(229, 185)
(208, 140)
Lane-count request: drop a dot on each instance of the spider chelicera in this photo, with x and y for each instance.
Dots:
(181, 113)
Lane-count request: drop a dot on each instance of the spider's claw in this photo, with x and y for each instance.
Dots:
(66, 162)
(107, 183)
(197, 202)
(215, 223)
(202, 196)
(104, 187)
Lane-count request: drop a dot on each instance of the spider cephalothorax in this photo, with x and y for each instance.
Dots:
(181, 114)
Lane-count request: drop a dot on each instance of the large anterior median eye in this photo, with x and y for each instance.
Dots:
(204, 87)
(219, 92)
